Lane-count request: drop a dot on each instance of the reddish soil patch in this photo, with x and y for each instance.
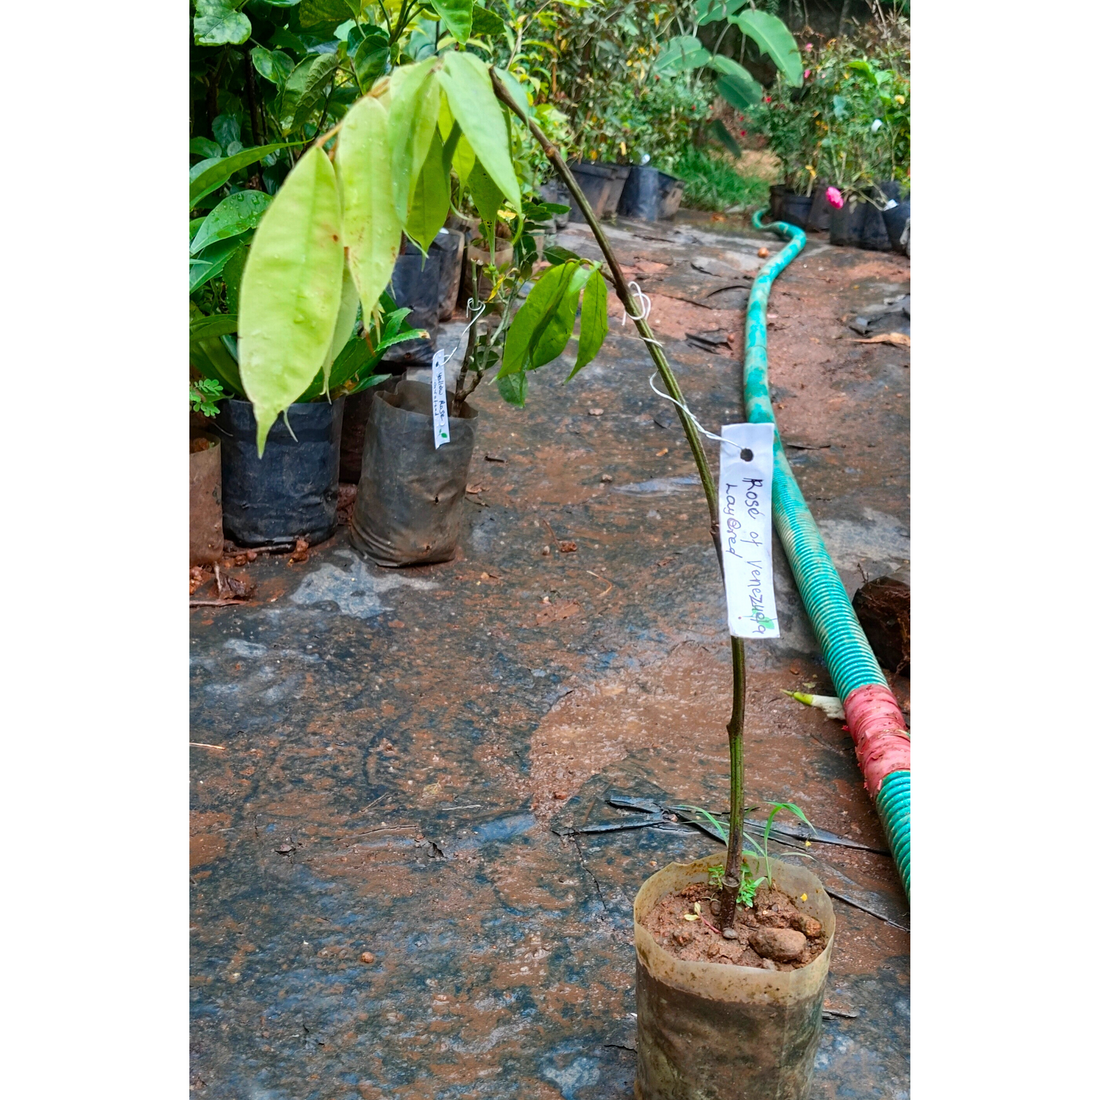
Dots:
(773, 935)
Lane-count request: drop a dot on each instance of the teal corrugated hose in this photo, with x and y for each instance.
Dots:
(876, 722)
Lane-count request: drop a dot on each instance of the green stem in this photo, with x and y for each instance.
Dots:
(732, 878)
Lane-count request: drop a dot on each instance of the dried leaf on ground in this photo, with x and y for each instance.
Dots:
(554, 613)
(897, 339)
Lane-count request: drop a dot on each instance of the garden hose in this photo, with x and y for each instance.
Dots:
(872, 713)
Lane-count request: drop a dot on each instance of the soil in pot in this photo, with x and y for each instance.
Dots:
(207, 540)
(291, 492)
(772, 935)
(713, 1030)
(408, 510)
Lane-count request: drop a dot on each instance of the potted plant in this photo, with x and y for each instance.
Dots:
(720, 1028)
(293, 493)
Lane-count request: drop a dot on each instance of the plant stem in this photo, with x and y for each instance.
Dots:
(732, 878)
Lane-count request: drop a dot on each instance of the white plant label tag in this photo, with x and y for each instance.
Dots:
(745, 521)
(440, 422)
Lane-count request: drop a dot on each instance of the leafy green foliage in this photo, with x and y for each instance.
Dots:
(205, 395)
(458, 16)
(234, 215)
(218, 24)
(713, 183)
(746, 891)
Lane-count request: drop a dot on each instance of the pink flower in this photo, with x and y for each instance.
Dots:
(806, 74)
(834, 197)
(808, 46)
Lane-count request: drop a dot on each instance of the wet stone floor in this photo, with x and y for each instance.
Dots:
(381, 906)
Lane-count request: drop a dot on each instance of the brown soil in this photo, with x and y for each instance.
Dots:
(701, 940)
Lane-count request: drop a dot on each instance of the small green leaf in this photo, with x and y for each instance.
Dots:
(234, 215)
(469, 89)
(273, 65)
(457, 16)
(303, 89)
(517, 90)
(513, 388)
(555, 334)
(204, 147)
(593, 322)
(710, 11)
(369, 60)
(232, 274)
(486, 195)
(217, 24)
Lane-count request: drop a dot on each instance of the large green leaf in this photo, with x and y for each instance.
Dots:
(486, 195)
(345, 324)
(682, 53)
(208, 176)
(533, 317)
(470, 95)
(232, 274)
(234, 215)
(555, 334)
(738, 91)
(487, 22)
(218, 24)
(303, 89)
(593, 322)
(737, 81)
(273, 65)
(770, 33)
(463, 161)
(211, 263)
(372, 229)
(291, 290)
(369, 60)
(458, 16)
(709, 11)
(431, 201)
(718, 129)
(414, 112)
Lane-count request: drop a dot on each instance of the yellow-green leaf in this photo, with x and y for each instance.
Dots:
(432, 198)
(469, 89)
(464, 160)
(345, 323)
(372, 230)
(486, 195)
(414, 111)
(290, 291)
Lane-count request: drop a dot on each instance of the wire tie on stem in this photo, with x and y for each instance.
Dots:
(687, 412)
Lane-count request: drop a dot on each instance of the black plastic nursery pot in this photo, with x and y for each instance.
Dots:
(291, 492)
(450, 245)
(602, 185)
(206, 499)
(776, 194)
(415, 284)
(896, 217)
(354, 430)
(821, 210)
(859, 225)
(408, 510)
(796, 209)
(713, 1031)
(650, 194)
